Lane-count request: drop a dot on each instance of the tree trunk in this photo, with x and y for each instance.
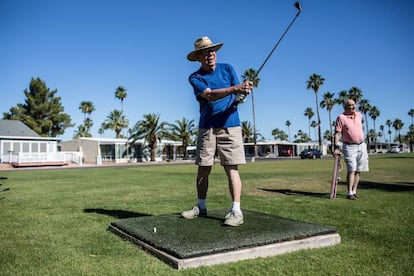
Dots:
(254, 126)
(319, 122)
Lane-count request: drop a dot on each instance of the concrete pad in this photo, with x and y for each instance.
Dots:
(206, 241)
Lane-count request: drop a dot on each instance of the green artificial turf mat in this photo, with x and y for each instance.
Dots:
(184, 238)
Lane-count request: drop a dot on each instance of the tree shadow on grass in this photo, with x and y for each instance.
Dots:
(388, 187)
(295, 192)
(120, 214)
(4, 190)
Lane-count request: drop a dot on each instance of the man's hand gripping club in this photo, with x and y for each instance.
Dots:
(242, 90)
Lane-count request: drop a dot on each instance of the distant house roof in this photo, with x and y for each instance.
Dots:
(15, 128)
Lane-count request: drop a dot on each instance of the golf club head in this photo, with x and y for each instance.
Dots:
(298, 6)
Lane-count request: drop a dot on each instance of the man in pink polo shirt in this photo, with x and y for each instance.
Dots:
(349, 126)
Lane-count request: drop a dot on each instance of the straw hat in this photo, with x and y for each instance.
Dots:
(202, 44)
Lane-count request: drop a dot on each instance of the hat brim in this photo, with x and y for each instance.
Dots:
(193, 55)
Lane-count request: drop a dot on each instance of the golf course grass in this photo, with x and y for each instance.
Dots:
(55, 221)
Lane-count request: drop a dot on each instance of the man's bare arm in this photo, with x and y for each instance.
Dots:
(216, 94)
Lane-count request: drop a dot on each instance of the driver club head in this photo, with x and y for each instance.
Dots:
(298, 6)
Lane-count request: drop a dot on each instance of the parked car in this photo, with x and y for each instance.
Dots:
(395, 149)
(310, 154)
(286, 152)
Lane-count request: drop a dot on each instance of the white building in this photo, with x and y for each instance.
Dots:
(116, 150)
(20, 146)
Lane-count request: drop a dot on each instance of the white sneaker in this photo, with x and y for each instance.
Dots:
(234, 219)
(194, 213)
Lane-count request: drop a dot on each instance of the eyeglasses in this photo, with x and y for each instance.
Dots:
(207, 51)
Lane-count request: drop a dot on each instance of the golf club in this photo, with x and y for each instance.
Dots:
(335, 176)
(242, 97)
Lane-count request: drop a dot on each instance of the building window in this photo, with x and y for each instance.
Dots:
(26, 147)
(43, 147)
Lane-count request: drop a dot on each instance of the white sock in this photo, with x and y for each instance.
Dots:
(236, 207)
(201, 203)
(354, 192)
(350, 193)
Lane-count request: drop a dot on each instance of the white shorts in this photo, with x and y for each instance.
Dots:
(227, 141)
(356, 157)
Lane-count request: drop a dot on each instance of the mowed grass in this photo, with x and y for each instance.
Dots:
(55, 222)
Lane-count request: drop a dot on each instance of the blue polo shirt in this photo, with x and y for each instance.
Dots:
(219, 113)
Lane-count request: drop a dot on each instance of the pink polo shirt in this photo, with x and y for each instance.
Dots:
(350, 128)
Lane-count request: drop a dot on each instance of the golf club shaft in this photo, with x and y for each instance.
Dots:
(335, 174)
(277, 44)
(298, 6)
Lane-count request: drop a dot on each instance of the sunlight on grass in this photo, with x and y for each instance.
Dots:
(54, 222)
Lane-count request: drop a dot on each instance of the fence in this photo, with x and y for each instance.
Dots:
(42, 158)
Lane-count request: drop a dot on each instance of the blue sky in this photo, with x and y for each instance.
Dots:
(87, 48)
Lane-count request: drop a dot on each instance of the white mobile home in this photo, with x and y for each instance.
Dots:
(20, 145)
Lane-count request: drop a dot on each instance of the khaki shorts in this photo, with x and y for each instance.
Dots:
(227, 141)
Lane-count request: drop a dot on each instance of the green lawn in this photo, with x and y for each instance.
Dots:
(55, 222)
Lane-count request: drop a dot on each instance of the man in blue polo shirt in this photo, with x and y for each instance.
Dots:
(216, 87)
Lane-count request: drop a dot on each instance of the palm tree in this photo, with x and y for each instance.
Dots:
(101, 130)
(342, 96)
(251, 75)
(88, 124)
(121, 94)
(327, 135)
(116, 121)
(315, 81)
(411, 113)
(81, 132)
(279, 134)
(309, 113)
(381, 127)
(314, 124)
(374, 113)
(372, 135)
(355, 94)
(328, 102)
(247, 131)
(398, 125)
(411, 134)
(288, 123)
(379, 135)
(301, 137)
(182, 130)
(151, 130)
(87, 107)
(389, 124)
(364, 107)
